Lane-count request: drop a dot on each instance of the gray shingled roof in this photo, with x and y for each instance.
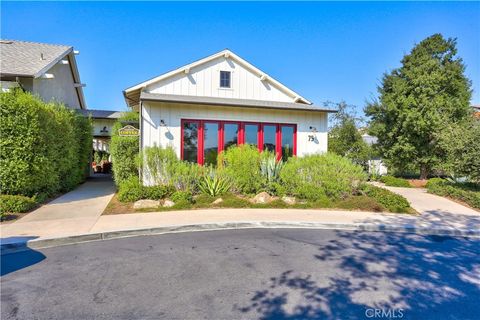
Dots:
(102, 114)
(29, 59)
(145, 96)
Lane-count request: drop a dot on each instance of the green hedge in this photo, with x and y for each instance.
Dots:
(392, 201)
(124, 150)
(395, 182)
(466, 192)
(15, 204)
(44, 147)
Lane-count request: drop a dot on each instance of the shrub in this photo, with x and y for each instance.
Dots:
(270, 167)
(395, 182)
(44, 148)
(466, 192)
(156, 192)
(15, 204)
(391, 201)
(124, 150)
(186, 176)
(315, 176)
(178, 196)
(214, 184)
(162, 167)
(130, 190)
(241, 164)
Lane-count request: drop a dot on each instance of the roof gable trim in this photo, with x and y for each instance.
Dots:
(227, 54)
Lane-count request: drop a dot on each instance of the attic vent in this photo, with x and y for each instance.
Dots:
(6, 42)
(42, 57)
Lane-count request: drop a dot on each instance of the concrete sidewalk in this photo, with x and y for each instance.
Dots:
(77, 216)
(75, 212)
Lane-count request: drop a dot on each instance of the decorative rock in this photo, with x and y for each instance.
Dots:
(168, 203)
(289, 200)
(262, 197)
(218, 201)
(146, 204)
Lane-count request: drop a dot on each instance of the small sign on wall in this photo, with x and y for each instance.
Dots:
(128, 131)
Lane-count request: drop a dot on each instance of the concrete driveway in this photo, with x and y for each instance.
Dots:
(247, 274)
(75, 212)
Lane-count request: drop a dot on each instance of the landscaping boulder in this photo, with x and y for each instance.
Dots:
(146, 204)
(289, 200)
(217, 201)
(262, 197)
(168, 203)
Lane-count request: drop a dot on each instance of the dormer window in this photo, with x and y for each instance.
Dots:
(225, 77)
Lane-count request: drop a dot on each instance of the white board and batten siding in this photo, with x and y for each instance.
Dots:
(204, 80)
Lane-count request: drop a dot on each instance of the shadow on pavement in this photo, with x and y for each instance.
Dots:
(423, 277)
(11, 262)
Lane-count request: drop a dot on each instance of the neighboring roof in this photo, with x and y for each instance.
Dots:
(133, 93)
(29, 59)
(102, 114)
(33, 59)
(145, 96)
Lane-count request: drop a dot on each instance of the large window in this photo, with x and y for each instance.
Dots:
(210, 143)
(251, 133)
(190, 141)
(203, 140)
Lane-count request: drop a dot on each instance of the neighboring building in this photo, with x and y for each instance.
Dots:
(222, 100)
(49, 71)
(476, 111)
(103, 121)
(375, 165)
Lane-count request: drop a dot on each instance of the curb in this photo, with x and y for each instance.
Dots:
(53, 242)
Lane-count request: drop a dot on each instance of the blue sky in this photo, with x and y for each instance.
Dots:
(325, 51)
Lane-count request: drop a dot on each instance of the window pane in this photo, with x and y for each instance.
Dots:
(230, 135)
(287, 142)
(190, 141)
(251, 134)
(210, 144)
(269, 134)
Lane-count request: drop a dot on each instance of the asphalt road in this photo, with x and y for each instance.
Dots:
(248, 274)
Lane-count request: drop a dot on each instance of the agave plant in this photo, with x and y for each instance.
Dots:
(214, 185)
(270, 167)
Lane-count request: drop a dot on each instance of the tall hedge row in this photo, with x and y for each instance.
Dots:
(124, 150)
(44, 147)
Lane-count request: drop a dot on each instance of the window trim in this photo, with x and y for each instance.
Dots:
(240, 135)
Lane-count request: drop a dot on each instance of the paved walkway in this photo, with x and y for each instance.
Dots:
(436, 210)
(76, 212)
(79, 213)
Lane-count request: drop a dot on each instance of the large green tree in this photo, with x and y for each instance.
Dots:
(416, 101)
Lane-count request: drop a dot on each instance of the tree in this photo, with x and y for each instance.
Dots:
(461, 144)
(344, 137)
(415, 102)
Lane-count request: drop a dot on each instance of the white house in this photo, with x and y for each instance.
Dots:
(202, 108)
(47, 70)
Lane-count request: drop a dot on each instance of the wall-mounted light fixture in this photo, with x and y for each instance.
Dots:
(162, 123)
(313, 129)
(104, 130)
